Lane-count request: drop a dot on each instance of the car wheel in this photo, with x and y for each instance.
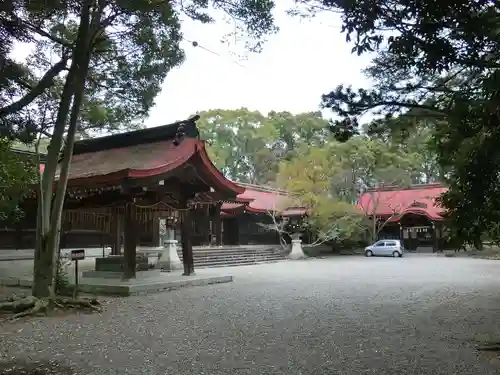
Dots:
(368, 253)
(396, 254)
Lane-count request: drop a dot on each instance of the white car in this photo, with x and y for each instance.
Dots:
(385, 248)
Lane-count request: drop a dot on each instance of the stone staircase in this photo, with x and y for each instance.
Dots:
(235, 256)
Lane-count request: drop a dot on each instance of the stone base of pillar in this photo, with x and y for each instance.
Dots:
(297, 252)
(169, 259)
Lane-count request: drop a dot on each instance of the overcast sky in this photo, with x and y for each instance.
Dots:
(304, 60)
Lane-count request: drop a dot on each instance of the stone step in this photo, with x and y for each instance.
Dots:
(237, 263)
(236, 260)
(233, 256)
(237, 257)
(232, 251)
(218, 261)
(222, 254)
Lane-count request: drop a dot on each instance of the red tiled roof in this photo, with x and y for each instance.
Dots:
(143, 160)
(420, 200)
(230, 206)
(264, 202)
(210, 172)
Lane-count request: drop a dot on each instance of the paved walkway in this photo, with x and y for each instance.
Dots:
(344, 315)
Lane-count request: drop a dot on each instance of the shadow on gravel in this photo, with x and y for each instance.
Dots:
(19, 367)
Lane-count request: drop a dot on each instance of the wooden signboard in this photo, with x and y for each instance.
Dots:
(78, 254)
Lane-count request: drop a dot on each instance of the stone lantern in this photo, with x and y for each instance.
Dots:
(169, 259)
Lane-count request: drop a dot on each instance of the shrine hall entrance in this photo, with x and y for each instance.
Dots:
(418, 233)
(230, 231)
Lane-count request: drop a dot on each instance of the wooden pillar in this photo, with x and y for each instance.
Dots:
(116, 232)
(187, 247)
(204, 220)
(129, 241)
(433, 237)
(217, 224)
(438, 227)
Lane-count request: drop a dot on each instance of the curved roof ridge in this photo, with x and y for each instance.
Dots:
(262, 188)
(432, 185)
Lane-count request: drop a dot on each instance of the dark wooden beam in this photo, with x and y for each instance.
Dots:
(135, 137)
(217, 224)
(116, 198)
(116, 231)
(186, 226)
(187, 247)
(129, 241)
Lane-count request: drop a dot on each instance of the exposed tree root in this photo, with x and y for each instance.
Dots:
(489, 347)
(32, 306)
(32, 367)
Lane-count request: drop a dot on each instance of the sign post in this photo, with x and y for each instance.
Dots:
(77, 255)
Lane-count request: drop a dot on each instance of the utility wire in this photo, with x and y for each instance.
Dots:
(198, 45)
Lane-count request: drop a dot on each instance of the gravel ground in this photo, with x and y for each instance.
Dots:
(345, 315)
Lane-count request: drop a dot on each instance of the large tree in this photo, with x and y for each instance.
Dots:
(236, 140)
(442, 58)
(328, 180)
(411, 135)
(111, 58)
(369, 166)
(308, 177)
(248, 146)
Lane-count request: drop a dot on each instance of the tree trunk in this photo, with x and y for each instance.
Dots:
(44, 254)
(478, 243)
(56, 218)
(48, 231)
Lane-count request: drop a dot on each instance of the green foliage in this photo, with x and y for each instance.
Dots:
(97, 66)
(411, 135)
(248, 146)
(235, 139)
(441, 60)
(17, 173)
(308, 177)
(63, 287)
(371, 164)
(43, 144)
(328, 180)
(134, 45)
(252, 20)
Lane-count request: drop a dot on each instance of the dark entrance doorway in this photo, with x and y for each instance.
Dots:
(418, 233)
(230, 231)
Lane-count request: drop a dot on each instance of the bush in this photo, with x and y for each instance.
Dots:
(63, 287)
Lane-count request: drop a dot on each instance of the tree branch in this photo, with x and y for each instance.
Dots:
(36, 91)
(45, 34)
